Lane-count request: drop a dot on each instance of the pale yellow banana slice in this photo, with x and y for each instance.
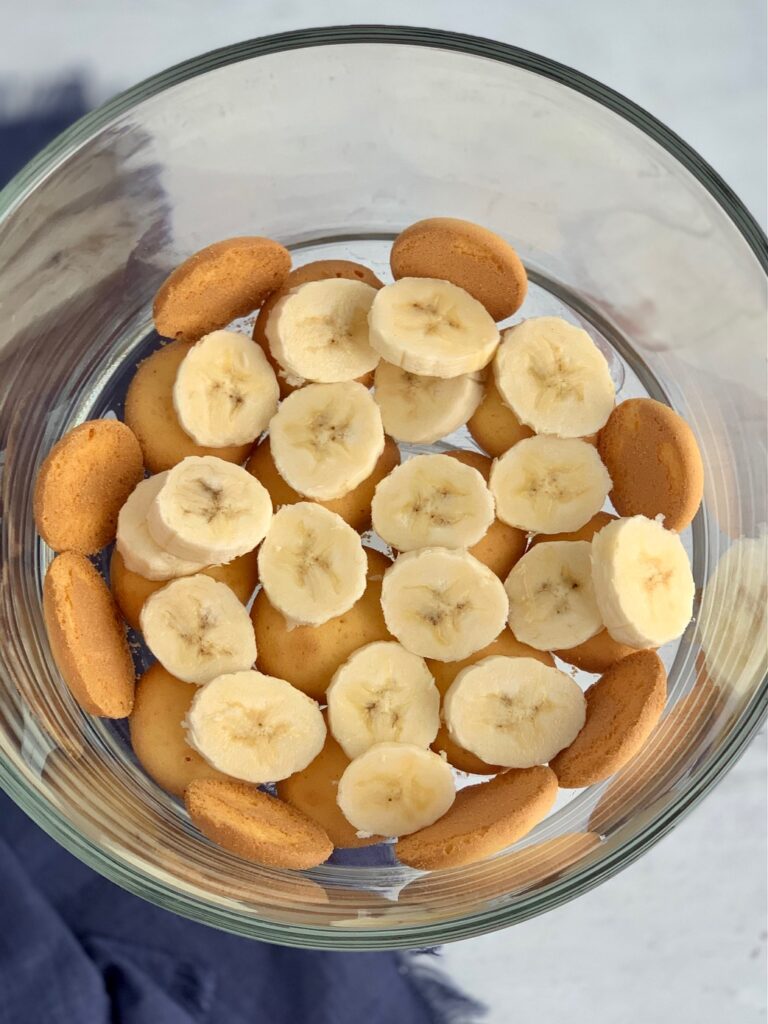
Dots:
(432, 501)
(312, 564)
(225, 391)
(643, 582)
(420, 410)
(327, 438)
(198, 629)
(552, 603)
(140, 552)
(255, 727)
(209, 510)
(319, 331)
(549, 484)
(733, 622)
(514, 712)
(554, 378)
(394, 789)
(443, 604)
(431, 327)
(382, 693)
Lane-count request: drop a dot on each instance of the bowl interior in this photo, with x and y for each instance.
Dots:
(332, 149)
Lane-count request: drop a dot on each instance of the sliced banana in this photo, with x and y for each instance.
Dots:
(432, 501)
(514, 712)
(431, 327)
(198, 629)
(209, 510)
(141, 553)
(552, 603)
(319, 331)
(549, 484)
(312, 564)
(382, 693)
(327, 438)
(443, 604)
(419, 409)
(225, 391)
(643, 582)
(554, 378)
(394, 789)
(255, 727)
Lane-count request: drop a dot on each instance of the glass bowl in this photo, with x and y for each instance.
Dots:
(332, 141)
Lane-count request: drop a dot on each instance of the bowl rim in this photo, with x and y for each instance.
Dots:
(110, 863)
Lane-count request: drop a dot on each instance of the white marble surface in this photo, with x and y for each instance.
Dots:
(681, 935)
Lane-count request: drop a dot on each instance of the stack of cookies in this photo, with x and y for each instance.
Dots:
(346, 619)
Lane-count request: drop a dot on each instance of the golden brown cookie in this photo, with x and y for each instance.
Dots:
(623, 707)
(483, 820)
(157, 733)
(314, 790)
(645, 777)
(318, 270)
(502, 546)
(601, 651)
(444, 672)
(256, 826)
(87, 637)
(654, 462)
(307, 656)
(218, 284)
(83, 483)
(353, 507)
(467, 255)
(493, 425)
(131, 590)
(150, 414)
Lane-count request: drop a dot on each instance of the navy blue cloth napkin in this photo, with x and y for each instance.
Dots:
(76, 949)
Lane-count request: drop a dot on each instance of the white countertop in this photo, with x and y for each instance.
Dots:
(680, 936)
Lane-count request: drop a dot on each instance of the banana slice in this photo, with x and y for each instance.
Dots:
(549, 484)
(443, 604)
(382, 693)
(394, 789)
(432, 501)
(197, 629)
(255, 727)
(420, 409)
(312, 564)
(643, 582)
(141, 553)
(431, 327)
(514, 712)
(225, 391)
(552, 603)
(327, 438)
(209, 510)
(319, 331)
(554, 378)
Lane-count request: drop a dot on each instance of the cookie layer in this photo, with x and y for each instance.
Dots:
(623, 707)
(157, 732)
(307, 656)
(493, 425)
(150, 414)
(354, 507)
(256, 826)
(654, 462)
(467, 255)
(318, 270)
(83, 483)
(87, 637)
(216, 285)
(483, 820)
(131, 590)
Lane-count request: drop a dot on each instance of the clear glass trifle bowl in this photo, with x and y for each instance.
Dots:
(332, 141)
